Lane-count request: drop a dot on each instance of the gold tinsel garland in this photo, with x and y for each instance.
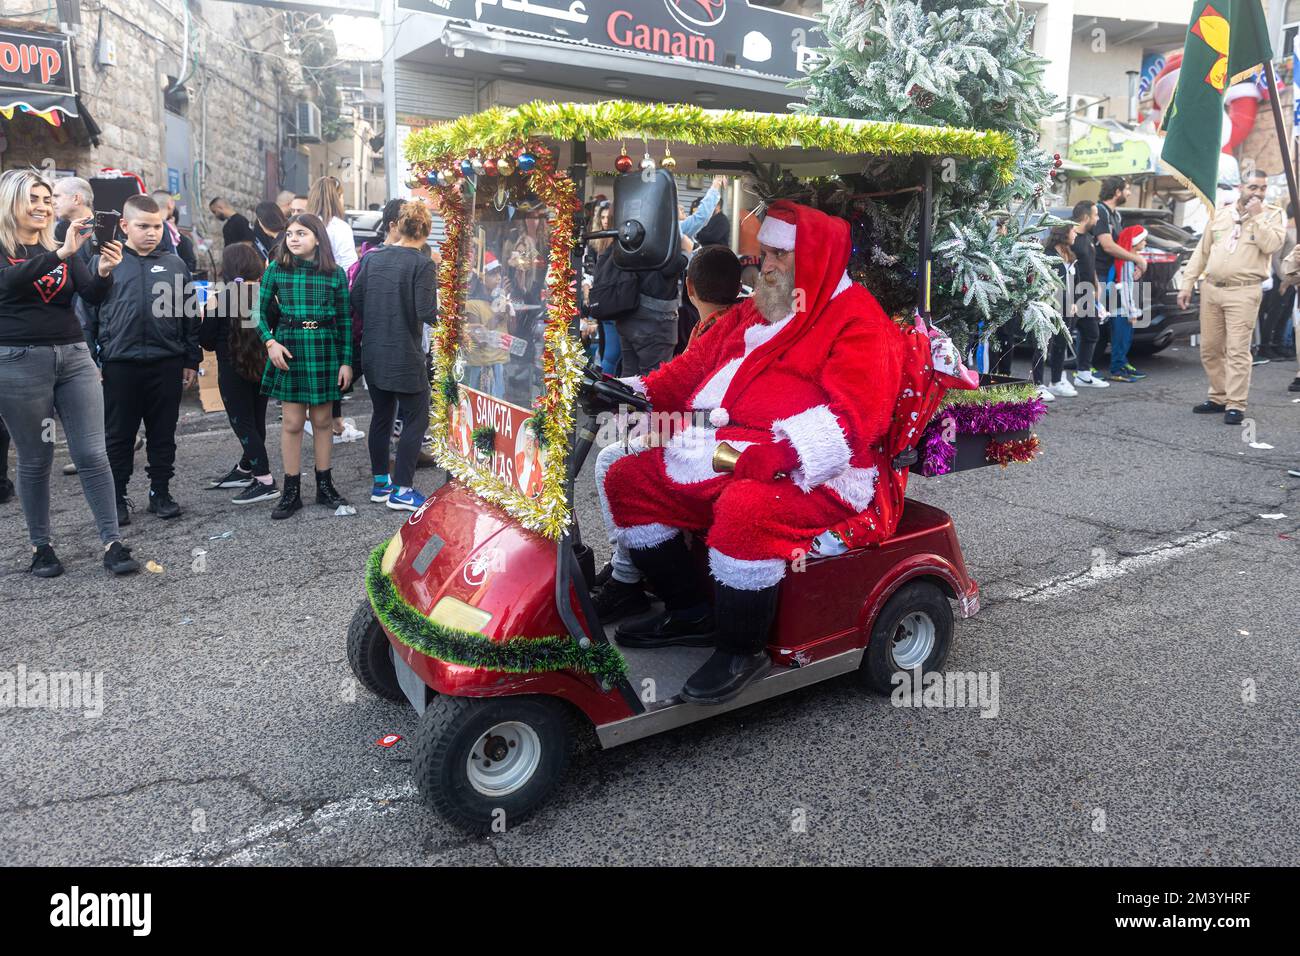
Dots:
(562, 360)
(694, 125)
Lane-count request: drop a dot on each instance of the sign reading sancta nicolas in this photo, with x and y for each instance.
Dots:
(726, 33)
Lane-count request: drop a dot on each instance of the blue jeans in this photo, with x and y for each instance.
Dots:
(1121, 337)
(35, 382)
(609, 361)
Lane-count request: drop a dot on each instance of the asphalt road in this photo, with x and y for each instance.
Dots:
(232, 731)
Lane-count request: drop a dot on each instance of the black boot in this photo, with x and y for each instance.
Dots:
(615, 599)
(290, 499)
(161, 503)
(326, 493)
(744, 622)
(687, 618)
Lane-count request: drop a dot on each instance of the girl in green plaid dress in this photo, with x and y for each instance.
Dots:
(309, 354)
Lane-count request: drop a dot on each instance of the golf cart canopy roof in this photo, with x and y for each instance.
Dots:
(706, 141)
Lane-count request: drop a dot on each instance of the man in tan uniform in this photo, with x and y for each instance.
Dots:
(1235, 256)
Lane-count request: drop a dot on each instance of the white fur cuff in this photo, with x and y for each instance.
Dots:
(636, 382)
(646, 535)
(745, 575)
(776, 233)
(818, 438)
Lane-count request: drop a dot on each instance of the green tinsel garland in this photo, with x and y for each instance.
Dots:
(450, 391)
(516, 655)
(485, 438)
(1019, 392)
(618, 119)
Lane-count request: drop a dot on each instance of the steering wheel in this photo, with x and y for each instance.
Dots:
(599, 392)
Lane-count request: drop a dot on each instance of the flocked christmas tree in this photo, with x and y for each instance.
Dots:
(943, 63)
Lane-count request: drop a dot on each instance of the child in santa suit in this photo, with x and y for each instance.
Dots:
(801, 379)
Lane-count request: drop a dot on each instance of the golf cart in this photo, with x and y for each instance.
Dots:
(477, 610)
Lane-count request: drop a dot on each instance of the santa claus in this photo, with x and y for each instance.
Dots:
(802, 380)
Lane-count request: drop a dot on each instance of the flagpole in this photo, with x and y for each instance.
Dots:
(1281, 135)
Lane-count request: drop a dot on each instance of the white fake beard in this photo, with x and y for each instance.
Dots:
(773, 299)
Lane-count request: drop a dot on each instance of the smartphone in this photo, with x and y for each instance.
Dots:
(106, 227)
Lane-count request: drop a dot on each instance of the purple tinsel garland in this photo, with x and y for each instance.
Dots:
(991, 419)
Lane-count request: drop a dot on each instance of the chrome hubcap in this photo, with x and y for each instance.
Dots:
(504, 759)
(913, 641)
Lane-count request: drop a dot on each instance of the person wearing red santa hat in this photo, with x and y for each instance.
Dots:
(802, 380)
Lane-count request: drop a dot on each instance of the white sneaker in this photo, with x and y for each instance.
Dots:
(1063, 389)
(1090, 381)
(350, 433)
(1045, 394)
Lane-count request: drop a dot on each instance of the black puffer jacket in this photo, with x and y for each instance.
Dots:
(143, 317)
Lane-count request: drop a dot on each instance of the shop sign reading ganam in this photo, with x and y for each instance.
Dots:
(726, 33)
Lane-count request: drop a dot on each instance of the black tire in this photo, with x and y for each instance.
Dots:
(878, 664)
(454, 727)
(368, 654)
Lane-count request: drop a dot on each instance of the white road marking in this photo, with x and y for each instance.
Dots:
(1062, 585)
(257, 840)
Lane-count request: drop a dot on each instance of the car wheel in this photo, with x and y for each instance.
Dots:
(484, 764)
(368, 654)
(912, 631)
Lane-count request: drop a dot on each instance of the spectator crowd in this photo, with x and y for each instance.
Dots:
(300, 315)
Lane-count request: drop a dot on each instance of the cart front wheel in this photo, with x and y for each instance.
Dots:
(913, 630)
(368, 654)
(484, 764)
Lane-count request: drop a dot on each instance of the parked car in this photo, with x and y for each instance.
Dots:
(1167, 250)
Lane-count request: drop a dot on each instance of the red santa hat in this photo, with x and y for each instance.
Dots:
(778, 228)
(490, 262)
(1130, 237)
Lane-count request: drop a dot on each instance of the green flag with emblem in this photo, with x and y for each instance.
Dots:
(1227, 41)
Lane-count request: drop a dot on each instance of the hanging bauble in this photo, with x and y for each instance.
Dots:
(490, 166)
(477, 165)
(472, 152)
(1056, 156)
(647, 163)
(466, 168)
(624, 162)
(504, 168)
(434, 177)
(524, 162)
(669, 162)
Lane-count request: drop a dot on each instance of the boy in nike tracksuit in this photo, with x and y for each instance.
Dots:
(149, 351)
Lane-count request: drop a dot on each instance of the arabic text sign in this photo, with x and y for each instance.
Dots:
(35, 61)
(516, 458)
(727, 33)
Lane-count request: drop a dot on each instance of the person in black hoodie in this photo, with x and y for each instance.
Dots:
(229, 331)
(643, 306)
(149, 351)
(268, 228)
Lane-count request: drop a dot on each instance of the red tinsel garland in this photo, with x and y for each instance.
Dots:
(1017, 449)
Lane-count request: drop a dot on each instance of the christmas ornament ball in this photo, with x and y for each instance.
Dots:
(647, 163)
(623, 164)
(669, 162)
(477, 165)
(490, 166)
(434, 177)
(466, 168)
(525, 162)
(504, 168)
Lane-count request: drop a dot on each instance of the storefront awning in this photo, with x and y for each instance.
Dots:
(36, 75)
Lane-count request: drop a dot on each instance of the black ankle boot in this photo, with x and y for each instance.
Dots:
(744, 621)
(326, 493)
(291, 498)
(687, 618)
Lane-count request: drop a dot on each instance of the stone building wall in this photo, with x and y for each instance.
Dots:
(235, 99)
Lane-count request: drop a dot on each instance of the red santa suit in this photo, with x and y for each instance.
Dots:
(823, 381)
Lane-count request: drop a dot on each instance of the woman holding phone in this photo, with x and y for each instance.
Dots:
(46, 366)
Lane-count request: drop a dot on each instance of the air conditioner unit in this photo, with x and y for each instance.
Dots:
(306, 118)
